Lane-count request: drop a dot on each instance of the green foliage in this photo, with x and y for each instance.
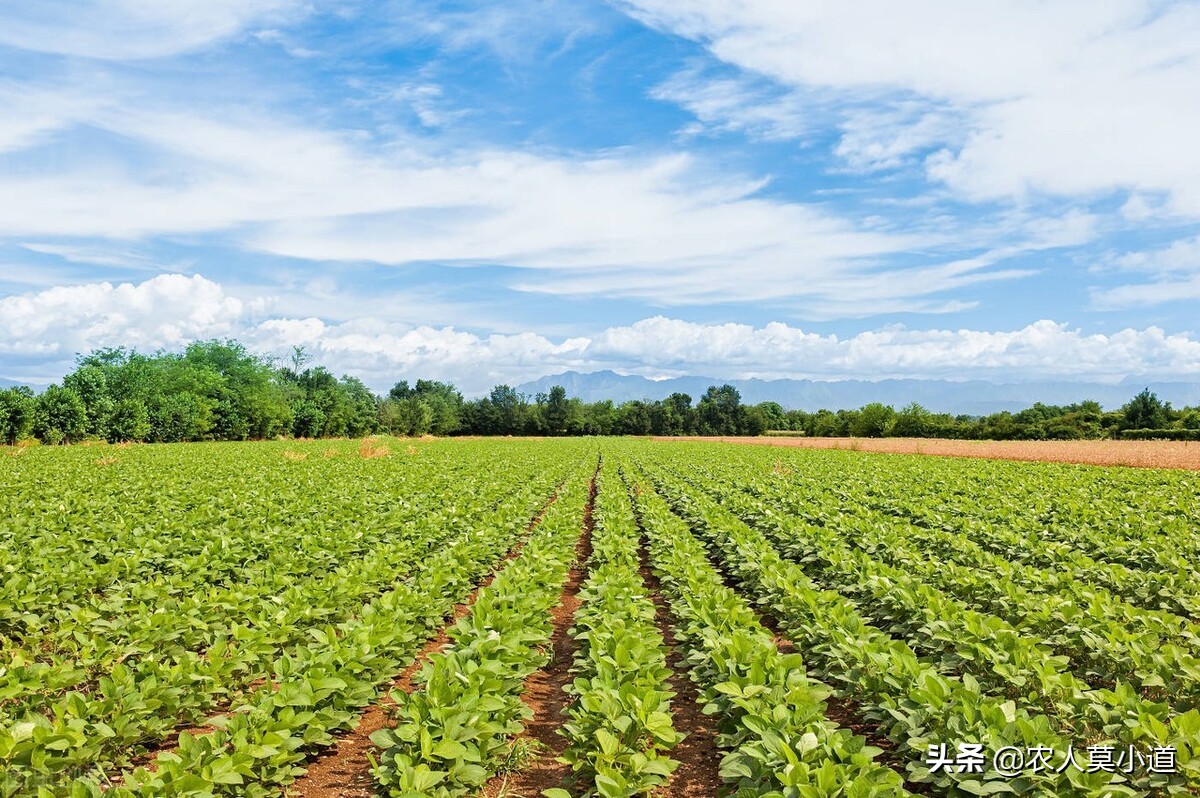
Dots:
(1145, 411)
(17, 409)
(218, 390)
(769, 712)
(1192, 434)
(620, 721)
(452, 734)
(182, 589)
(60, 416)
(873, 421)
(130, 421)
(812, 556)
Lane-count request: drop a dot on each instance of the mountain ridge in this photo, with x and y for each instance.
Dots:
(969, 397)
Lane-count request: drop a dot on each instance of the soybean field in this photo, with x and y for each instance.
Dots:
(592, 617)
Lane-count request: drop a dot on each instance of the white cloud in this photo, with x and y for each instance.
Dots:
(170, 310)
(740, 104)
(1067, 97)
(1174, 273)
(1042, 349)
(1180, 257)
(130, 29)
(891, 135)
(164, 311)
(671, 228)
(1146, 294)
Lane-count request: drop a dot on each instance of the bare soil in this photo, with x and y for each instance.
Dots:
(1138, 454)
(699, 771)
(544, 693)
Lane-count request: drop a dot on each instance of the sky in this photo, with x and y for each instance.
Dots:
(490, 192)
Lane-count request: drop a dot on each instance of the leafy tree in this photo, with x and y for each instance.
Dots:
(308, 419)
(1145, 411)
(557, 412)
(16, 413)
(720, 411)
(827, 424)
(445, 403)
(913, 421)
(91, 384)
(754, 421)
(599, 418)
(60, 416)
(508, 411)
(635, 418)
(130, 421)
(873, 421)
(773, 415)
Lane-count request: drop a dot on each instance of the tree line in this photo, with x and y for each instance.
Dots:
(1145, 417)
(218, 390)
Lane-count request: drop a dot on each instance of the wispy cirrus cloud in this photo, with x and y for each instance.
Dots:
(122, 30)
(1066, 97)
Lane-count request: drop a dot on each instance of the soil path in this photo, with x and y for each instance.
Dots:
(544, 692)
(1138, 454)
(699, 758)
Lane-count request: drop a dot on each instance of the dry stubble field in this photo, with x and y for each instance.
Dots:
(1140, 454)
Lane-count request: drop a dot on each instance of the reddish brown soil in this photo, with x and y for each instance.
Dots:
(699, 758)
(343, 770)
(544, 693)
(1139, 454)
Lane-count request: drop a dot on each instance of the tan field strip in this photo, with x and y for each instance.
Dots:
(1139, 454)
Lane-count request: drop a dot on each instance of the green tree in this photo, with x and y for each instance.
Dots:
(773, 415)
(508, 411)
(445, 403)
(913, 421)
(308, 419)
(873, 421)
(91, 384)
(130, 421)
(720, 411)
(60, 416)
(16, 413)
(557, 411)
(1145, 411)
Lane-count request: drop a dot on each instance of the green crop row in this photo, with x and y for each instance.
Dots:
(769, 713)
(143, 699)
(452, 733)
(1103, 637)
(1000, 659)
(84, 732)
(619, 725)
(917, 705)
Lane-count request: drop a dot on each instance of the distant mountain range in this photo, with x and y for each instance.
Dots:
(973, 397)
(13, 384)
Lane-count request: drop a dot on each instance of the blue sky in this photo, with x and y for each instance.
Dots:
(489, 192)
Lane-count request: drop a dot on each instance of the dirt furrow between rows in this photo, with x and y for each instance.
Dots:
(699, 771)
(544, 689)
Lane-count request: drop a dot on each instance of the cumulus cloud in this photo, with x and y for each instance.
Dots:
(164, 311)
(1067, 97)
(170, 310)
